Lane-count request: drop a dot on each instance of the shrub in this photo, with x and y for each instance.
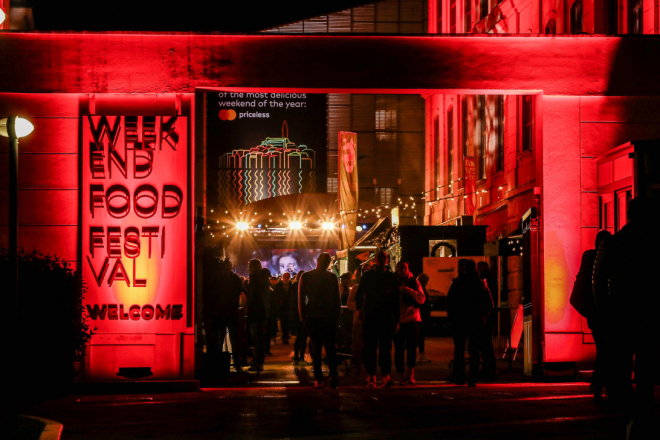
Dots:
(52, 332)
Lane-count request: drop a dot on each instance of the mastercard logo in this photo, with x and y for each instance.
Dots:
(227, 115)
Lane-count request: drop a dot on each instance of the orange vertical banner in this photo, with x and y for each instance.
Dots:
(470, 185)
(347, 188)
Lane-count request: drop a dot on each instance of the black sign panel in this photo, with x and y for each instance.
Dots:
(262, 145)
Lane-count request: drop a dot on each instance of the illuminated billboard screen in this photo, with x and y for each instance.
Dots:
(262, 145)
(279, 261)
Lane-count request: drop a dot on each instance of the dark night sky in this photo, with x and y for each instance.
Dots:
(181, 15)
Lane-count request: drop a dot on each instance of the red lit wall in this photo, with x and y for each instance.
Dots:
(590, 98)
(55, 177)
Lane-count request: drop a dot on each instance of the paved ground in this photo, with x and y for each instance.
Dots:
(505, 411)
(278, 406)
(280, 370)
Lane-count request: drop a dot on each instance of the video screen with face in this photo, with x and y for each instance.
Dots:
(281, 261)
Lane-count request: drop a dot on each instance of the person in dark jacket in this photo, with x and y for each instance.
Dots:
(487, 351)
(300, 344)
(627, 301)
(425, 313)
(258, 299)
(320, 307)
(377, 303)
(468, 304)
(582, 299)
(281, 294)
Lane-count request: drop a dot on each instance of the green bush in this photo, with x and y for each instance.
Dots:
(52, 332)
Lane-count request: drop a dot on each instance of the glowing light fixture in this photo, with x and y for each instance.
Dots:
(295, 225)
(23, 127)
(242, 226)
(2, 16)
(328, 225)
(358, 228)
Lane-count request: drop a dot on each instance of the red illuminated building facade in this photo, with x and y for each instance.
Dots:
(113, 174)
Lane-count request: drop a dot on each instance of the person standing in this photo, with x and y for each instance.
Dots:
(489, 370)
(320, 308)
(411, 297)
(582, 299)
(627, 301)
(258, 297)
(344, 287)
(377, 302)
(300, 344)
(425, 313)
(282, 298)
(468, 304)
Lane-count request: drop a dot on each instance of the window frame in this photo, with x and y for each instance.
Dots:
(450, 148)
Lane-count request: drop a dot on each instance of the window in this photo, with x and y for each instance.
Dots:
(481, 147)
(384, 196)
(551, 27)
(438, 17)
(483, 9)
(436, 149)
(635, 17)
(452, 16)
(576, 17)
(465, 137)
(468, 16)
(386, 123)
(499, 122)
(450, 148)
(612, 17)
(527, 123)
(332, 184)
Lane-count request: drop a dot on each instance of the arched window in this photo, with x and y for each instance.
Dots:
(468, 16)
(576, 17)
(438, 17)
(635, 17)
(436, 150)
(551, 27)
(450, 148)
(612, 17)
(483, 9)
(465, 138)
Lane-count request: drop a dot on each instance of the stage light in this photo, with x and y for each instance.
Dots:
(242, 226)
(358, 228)
(328, 225)
(295, 225)
(364, 227)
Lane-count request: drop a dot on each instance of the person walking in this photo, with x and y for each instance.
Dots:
(345, 287)
(627, 301)
(411, 297)
(468, 304)
(489, 369)
(320, 308)
(582, 299)
(258, 297)
(300, 344)
(357, 332)
(425, 326)
(281, 292)
(377, 302)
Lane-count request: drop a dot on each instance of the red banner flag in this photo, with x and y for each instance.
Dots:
(347, 188)
(470, 185)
